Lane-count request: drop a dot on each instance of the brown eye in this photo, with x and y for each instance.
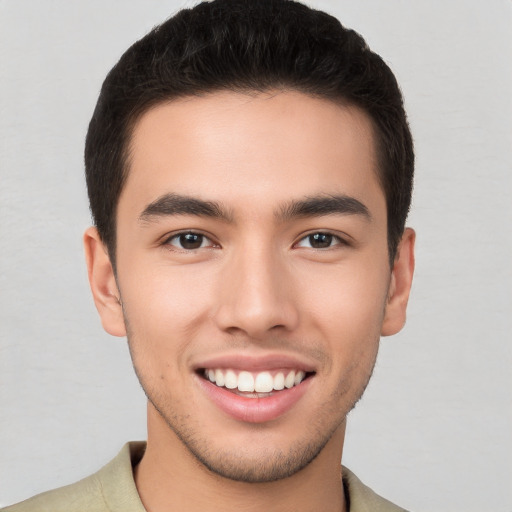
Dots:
(189, 241)
(320, 240)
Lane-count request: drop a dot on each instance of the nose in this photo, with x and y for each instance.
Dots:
(256, 295)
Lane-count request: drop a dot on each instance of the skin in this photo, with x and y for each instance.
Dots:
(256, 286)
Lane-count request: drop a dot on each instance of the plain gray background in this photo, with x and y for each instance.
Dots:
(434, 430)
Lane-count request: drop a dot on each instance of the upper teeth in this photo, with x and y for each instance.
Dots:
(262, 382)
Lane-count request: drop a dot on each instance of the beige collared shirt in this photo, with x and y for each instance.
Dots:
(112, 489)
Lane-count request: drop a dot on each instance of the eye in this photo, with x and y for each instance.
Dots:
(189, 241)
(320, 241)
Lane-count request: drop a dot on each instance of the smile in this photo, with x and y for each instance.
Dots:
(252, 389)
(254, 382)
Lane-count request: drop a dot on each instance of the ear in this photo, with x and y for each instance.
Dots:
(103, 284)
(400, 285)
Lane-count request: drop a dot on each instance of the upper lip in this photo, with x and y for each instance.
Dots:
(260, 363)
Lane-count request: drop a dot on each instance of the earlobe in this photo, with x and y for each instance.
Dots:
(400, 285)
(103, 284)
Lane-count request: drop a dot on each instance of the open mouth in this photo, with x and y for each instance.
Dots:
(255, 390)
(254, 384)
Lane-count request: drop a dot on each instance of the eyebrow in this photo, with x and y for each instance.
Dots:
(318, 206)
(176, 204)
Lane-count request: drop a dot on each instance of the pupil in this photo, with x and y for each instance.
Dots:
(320, 240)
(191, 241)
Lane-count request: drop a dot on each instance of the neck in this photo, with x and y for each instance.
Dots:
(169, 478)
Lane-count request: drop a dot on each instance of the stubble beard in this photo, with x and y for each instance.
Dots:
(240, 466)
(268, 465)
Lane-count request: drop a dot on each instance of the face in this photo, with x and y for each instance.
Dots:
(253, 273)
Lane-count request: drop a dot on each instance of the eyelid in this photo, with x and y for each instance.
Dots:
(166, 239)
(342, 238)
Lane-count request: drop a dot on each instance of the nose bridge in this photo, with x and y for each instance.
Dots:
(256, 293)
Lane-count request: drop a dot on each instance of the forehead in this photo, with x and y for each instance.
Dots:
(237, 148)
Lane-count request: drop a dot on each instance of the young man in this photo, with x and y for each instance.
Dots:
(249, 168)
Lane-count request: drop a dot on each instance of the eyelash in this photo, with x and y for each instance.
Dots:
(178, 236)
(331, 237)
(339, 241)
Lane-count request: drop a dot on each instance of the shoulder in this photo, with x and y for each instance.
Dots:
(362, 498)
(83, 495)
(111, 488)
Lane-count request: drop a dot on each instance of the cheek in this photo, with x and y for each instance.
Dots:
(164, 307)
(347, 303)
(348, 316)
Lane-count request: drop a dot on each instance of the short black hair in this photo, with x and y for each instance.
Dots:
(247, 46)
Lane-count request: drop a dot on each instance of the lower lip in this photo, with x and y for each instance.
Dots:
(254, 410)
